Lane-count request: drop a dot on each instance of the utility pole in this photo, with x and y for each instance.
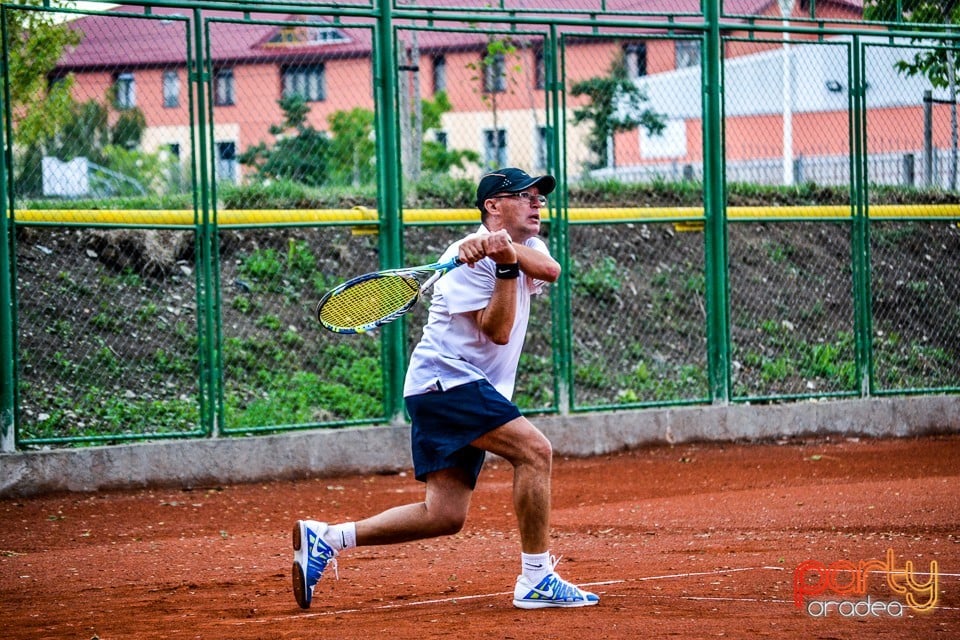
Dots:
(786, 10)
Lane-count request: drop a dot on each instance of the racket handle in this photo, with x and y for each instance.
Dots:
(441, 270)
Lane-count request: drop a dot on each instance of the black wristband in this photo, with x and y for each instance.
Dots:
(508, 271)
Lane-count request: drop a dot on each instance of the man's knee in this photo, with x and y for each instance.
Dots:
(537, 452)
(520, 443)
(448, 521)
(452, 525)
(543, 451)
(448, 501)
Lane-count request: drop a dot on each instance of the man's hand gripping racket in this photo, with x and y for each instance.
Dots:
(374, 299)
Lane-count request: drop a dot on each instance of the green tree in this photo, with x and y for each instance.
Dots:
(938, 64)
(493, 73)
(616, 105)
(301, 152)
(39, 107)
(146, 171)
(35, 44)
(86, 132)
(129, 128)
(352, 149)
(436, 157)
(912, 11)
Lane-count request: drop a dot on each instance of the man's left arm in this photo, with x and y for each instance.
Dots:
(537, 264)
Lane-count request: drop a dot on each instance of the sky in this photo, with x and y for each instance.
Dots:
(89, 6)
(103, 6)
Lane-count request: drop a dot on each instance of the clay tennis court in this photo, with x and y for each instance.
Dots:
(697, 540)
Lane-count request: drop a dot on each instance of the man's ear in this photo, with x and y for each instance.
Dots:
(493, 213)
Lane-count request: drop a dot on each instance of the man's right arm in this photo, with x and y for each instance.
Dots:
(496, 320)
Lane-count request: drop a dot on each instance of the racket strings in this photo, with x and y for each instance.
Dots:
(368, 301)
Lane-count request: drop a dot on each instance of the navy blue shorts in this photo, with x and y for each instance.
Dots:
(446, 422)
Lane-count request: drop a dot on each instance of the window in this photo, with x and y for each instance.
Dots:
(307, 81)
(495, 148)
(439, 74)
(635, 57)
(327, 35)
(539, 70)
(441, 138)
(494, 74)
(224, 90)
(171, 89)
(688, 53)
(226, 168)
(307, 33)
(126, 90)
(541, 147)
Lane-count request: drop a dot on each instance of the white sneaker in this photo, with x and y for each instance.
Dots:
(552, 591)
(310, 557)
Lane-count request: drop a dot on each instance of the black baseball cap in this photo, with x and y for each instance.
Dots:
(511, 180)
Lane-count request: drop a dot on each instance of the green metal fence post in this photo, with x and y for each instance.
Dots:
(7, 395)
(213, 302)
(7, 366)
(860, 232)
(7, 343)
(207, 352)
(389, 177)
(7, 387)
(715, 225)
(559, 242)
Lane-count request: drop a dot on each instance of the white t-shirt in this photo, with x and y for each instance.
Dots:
(453, 351)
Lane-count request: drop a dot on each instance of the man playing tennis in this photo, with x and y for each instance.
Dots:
(457, 392)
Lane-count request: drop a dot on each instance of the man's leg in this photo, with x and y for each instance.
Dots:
(443, 512)
(317, 544)
(528, 450)
(530, 453)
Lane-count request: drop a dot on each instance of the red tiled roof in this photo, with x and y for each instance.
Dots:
(662, 7)
(110, 39)
(124, 36)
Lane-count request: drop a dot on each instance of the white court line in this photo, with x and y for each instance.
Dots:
(499, 594)
(480, 596)
(704, 573)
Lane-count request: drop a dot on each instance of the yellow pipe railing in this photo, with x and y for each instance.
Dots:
(359, 215)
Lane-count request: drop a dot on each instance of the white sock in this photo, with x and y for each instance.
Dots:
(341, 536)
(536, 566)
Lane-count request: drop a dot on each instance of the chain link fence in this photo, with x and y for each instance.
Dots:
(637, 308)
(761, 217)
(914, 305)
(791, 309)
(107, 348)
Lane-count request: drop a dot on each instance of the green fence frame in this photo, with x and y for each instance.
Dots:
(711, 26)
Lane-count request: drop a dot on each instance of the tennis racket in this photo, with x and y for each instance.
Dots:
(374, 299)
